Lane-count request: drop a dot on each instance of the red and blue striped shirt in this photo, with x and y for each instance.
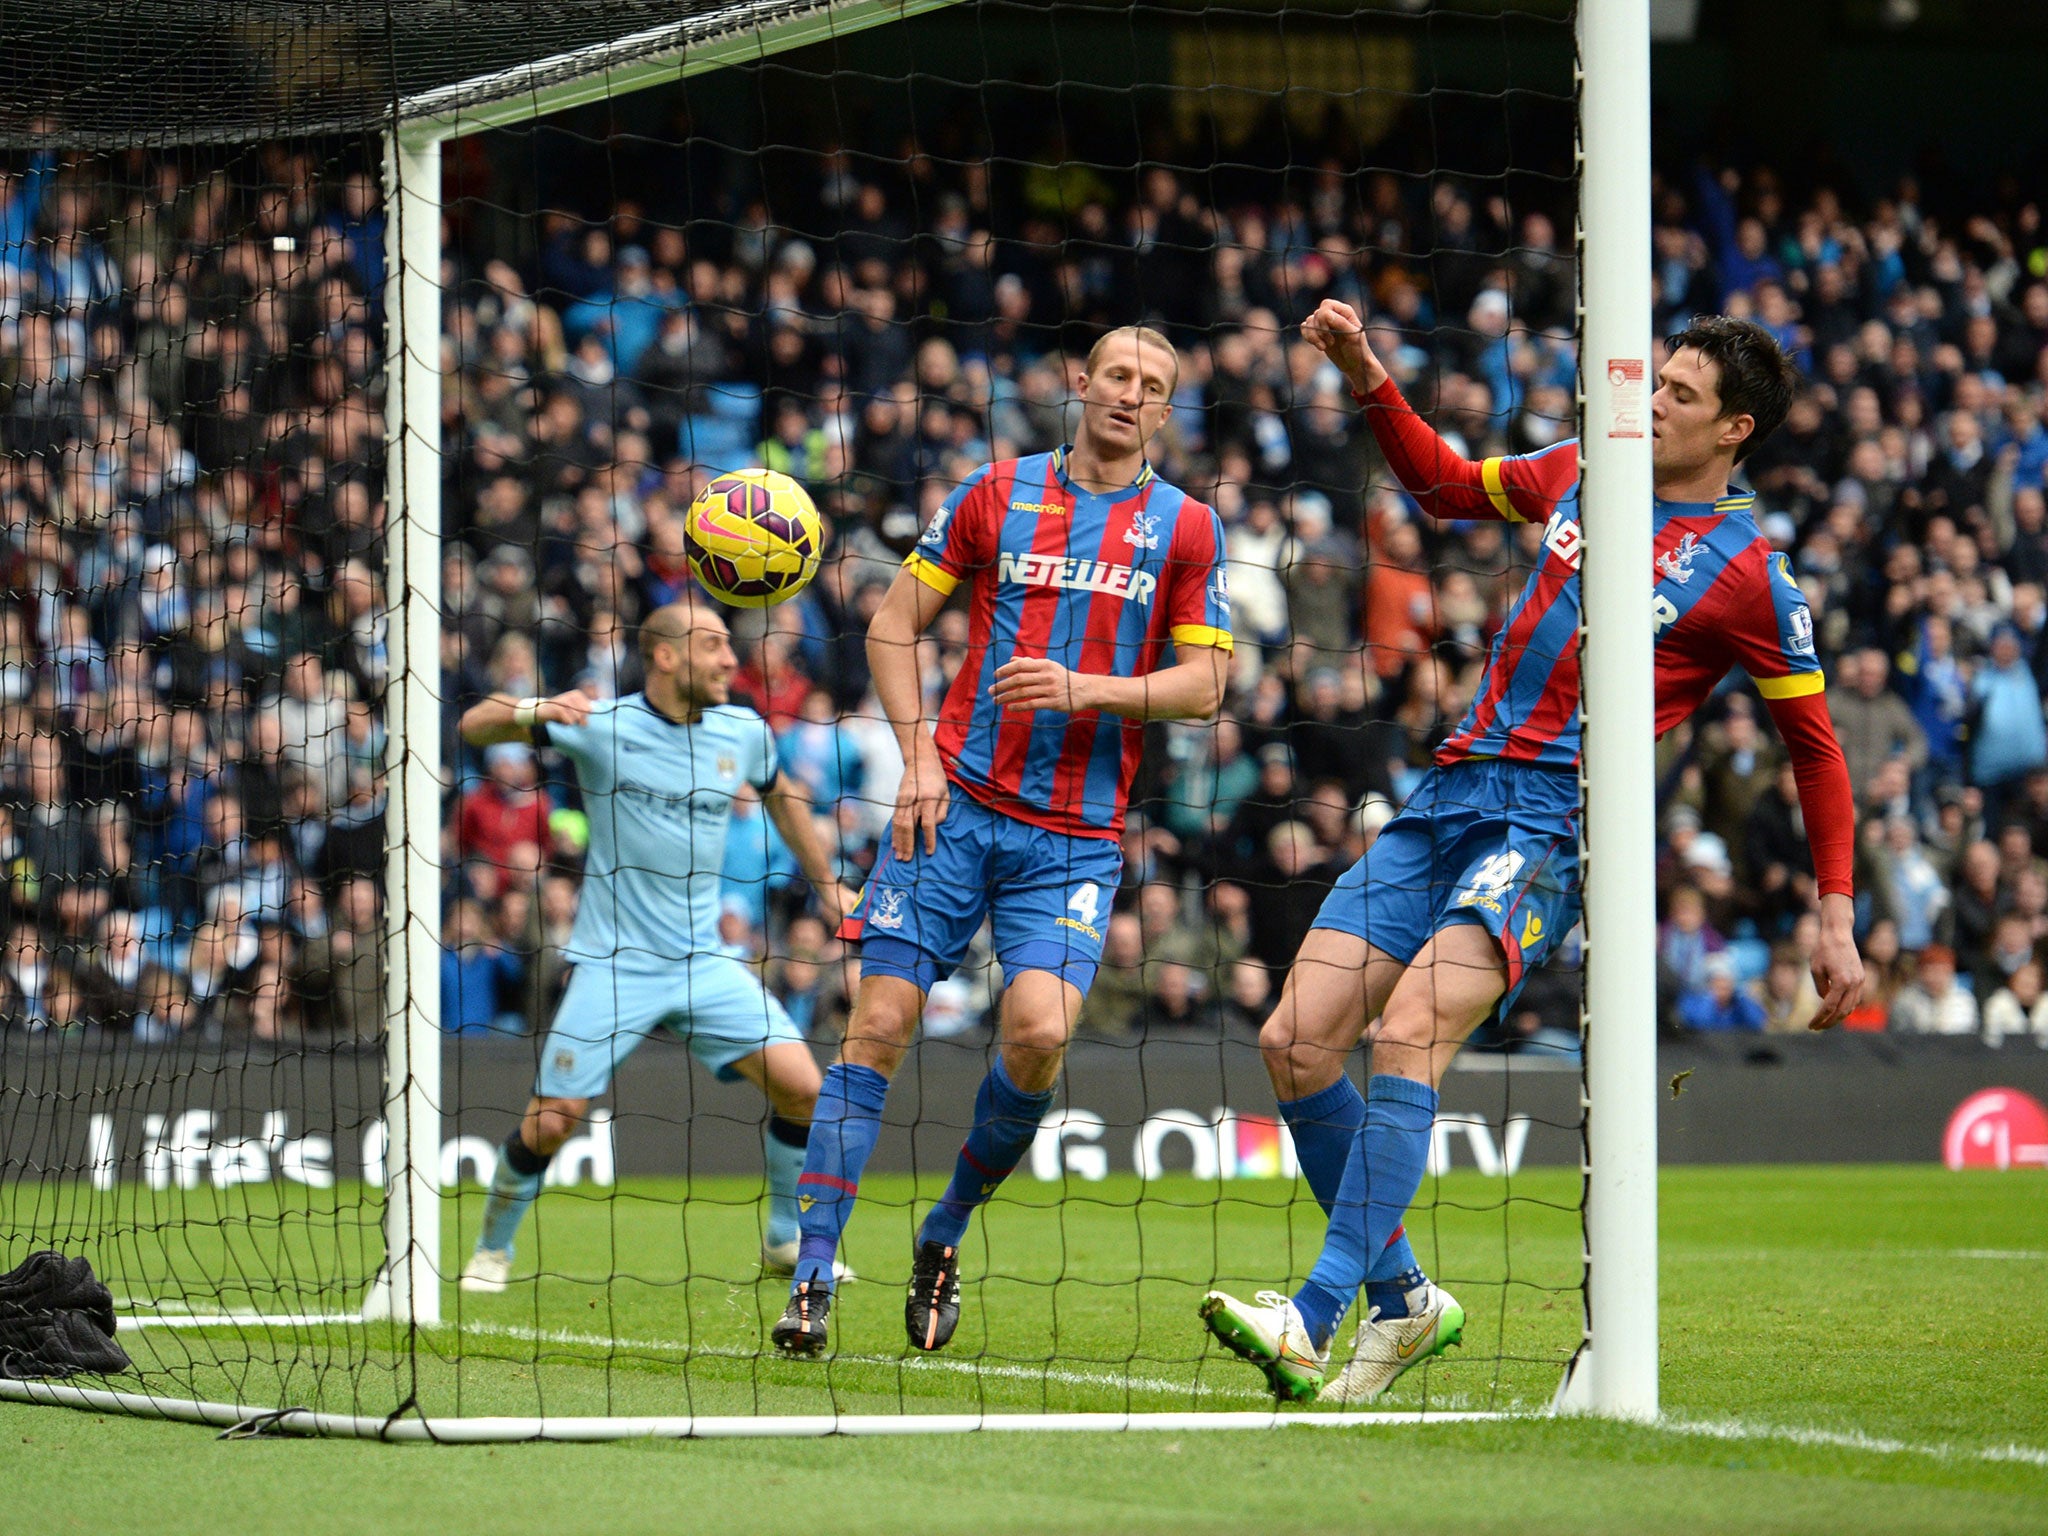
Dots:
(1099, 583)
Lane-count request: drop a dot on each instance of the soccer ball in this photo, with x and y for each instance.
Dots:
(754, 538)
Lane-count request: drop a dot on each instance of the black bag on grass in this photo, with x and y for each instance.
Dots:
(56, 1320)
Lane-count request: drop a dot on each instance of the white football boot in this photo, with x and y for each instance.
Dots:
(489, 1270)
(1270, 1334)
(1385, 1347)
(779, 1260)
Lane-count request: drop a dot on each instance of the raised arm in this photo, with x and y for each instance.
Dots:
(1444, 483)
(504, 718)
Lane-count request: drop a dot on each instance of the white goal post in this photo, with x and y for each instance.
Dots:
(410, 1287)
(1616, 1370)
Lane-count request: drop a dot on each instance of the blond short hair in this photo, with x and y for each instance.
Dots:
(1144, 334)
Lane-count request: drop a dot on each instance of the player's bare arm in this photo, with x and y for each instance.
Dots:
(922, 796)
(1191, 689)
(789, 806)
(504, 718)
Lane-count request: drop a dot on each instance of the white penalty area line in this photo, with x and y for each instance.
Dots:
(1059, 1375)
(996, 1370)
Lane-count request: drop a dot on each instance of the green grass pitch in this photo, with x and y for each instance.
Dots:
(1844, 1348)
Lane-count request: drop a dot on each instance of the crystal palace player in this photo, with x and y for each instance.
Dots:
(1097, 602)
(1478, 878)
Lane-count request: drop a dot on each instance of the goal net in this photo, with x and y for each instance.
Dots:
(354, 372)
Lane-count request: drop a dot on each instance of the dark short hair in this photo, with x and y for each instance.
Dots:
(1756, 378)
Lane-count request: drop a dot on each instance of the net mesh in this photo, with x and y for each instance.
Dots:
(872, 265)
(203, 71)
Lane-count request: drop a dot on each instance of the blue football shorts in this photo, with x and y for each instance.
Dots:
(1049, 896)
(1485, 842)
(711, 1001)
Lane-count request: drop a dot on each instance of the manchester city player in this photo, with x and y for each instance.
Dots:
(1478, 878)
(659, 770)
(1096, 602)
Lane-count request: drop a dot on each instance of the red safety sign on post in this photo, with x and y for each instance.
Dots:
(1625, 397)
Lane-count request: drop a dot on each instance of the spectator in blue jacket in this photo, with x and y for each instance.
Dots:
(478, 979)
(756, 859)
(1720, 1006)
(21, 203)
(818, 753)
(2009, 740)
(628, 312)
(1940, 692)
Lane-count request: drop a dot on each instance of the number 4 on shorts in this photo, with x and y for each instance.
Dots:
(1083, 904)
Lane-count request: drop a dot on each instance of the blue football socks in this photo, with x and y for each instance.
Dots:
(1387, 1294)
(1381, 1177)
(785, 1150)
(1006, 1122)
(843, 1133)
(514, 1185)
(1323, 1125)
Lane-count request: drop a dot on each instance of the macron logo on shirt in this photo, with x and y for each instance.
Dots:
(1071, 575)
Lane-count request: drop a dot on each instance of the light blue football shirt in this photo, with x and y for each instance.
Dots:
(659, 796)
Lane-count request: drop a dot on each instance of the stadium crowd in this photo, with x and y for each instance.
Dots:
(193, 648)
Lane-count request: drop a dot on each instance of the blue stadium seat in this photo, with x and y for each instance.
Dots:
(736, 402)
(157, 924)
(1752, 957)
(718, 441)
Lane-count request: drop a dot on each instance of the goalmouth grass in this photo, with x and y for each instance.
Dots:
(648, 1300)
(1840, 1344)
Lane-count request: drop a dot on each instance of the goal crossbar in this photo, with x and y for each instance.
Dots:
(731, 34)
(711, 35)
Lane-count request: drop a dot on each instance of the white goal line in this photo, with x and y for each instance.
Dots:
(240, 1320)
(1000, 1370)
(479, 1431)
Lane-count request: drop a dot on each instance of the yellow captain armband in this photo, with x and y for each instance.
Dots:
(932, 574)
(1497, 490)
(1202, 634)
(1797, 685)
